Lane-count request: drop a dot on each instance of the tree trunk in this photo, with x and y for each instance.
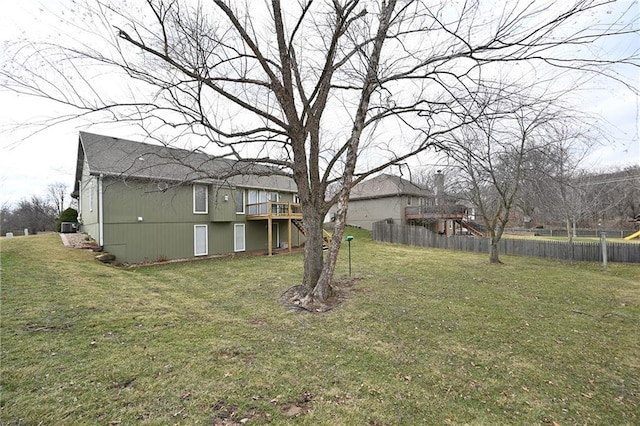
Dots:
(313, 257)
(494, 257)
(323, 288)
(495, 235)
(318, 272)
(569, 230)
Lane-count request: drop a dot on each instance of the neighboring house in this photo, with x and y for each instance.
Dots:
(144, 203)
(384, 197)
(389, 197)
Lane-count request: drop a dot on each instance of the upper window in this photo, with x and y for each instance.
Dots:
(239, 201)
(253, 200)
(200, 199)
(409, 200)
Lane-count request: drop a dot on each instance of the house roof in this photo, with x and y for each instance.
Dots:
(386, 185)
(110, 156)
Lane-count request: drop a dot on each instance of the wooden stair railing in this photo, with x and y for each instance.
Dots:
(470, 228)
(326, 234)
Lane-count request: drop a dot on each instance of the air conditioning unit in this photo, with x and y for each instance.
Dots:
(68, 227)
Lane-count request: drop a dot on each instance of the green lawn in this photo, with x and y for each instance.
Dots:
(423, 337)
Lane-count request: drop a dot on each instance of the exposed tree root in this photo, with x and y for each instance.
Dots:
(296, 297)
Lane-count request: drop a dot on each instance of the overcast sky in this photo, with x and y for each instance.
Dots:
(29, 163)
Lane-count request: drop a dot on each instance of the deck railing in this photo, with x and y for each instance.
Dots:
(274, 210)
(436, 212)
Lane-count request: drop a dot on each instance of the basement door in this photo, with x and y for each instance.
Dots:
(275, 234)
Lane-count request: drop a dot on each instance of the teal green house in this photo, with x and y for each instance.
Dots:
(146, 203)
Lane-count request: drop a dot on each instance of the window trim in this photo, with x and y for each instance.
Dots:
(237, 226)
(195, 240)
(206, 199)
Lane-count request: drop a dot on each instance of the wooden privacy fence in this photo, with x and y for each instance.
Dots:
(580, 252)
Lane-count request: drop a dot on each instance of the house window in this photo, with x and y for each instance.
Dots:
(409, 200)
(262, 199)
(200, 199)
(296, 199)
(238, 237)
(253, 200)
(258, 201)
(274, 197)
(200, 240)
(239, 201)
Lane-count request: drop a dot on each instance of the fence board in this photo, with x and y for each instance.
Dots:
(579, 252)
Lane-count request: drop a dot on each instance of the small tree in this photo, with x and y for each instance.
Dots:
(492, 153)
(552, 173)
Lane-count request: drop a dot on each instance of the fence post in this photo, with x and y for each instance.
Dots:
(603, 244)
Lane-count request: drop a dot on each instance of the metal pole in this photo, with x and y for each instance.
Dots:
(603, 244)
(349, 238)
(349, 257)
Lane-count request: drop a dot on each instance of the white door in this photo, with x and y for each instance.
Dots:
(275, 235)
(200, 240)
(238, 237)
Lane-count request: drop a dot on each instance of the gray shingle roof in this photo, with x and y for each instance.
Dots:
(386, 185)
(110, 156)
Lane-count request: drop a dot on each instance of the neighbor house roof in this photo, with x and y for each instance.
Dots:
(110, 156)
(386, 185)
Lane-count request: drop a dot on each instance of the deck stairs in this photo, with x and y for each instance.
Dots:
(474, 228)
(326, 234)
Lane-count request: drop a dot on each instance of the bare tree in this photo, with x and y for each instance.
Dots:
(492, 155)
(34, 214)
(629, 210)
(550, 182)
(57, 194)
(326, 92)
(607, 198)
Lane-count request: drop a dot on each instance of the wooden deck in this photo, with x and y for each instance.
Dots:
(274, 210)
(452, 216)
(431, 212)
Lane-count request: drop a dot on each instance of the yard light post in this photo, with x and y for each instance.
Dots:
(349, 238)
(603, 246)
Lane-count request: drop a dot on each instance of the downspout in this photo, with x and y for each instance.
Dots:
(100, 212)
(80, 201)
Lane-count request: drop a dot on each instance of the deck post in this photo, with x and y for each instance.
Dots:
(289, 230)
(270, 234)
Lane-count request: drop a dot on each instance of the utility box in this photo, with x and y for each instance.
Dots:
(68, 227)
